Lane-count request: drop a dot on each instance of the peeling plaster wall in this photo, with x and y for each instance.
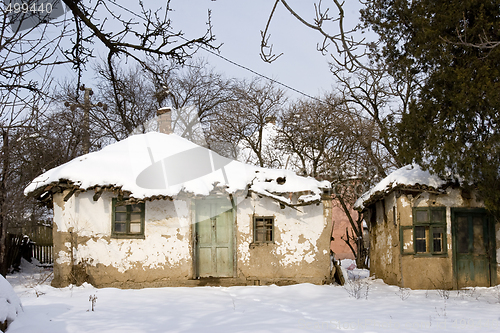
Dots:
(82, 236)
(410, 271)
(86, 251)
(384, 241)
(428, 272)
(301, 247)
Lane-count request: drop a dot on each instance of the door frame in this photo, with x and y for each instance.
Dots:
(490, 225)
(194, 229)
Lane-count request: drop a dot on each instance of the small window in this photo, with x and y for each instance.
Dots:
(427, 236)
(263, 228)
(128, 219)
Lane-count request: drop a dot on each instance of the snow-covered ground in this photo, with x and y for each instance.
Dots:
(363, 305)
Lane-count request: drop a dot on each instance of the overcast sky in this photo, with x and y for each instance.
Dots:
(237, 25)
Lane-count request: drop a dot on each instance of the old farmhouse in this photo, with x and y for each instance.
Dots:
(158, 210)
(426, 233)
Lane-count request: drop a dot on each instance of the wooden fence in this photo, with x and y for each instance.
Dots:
(13, 249)
(41, 245)
(43, 253)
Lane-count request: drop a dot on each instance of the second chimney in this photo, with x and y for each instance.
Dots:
(164, 116)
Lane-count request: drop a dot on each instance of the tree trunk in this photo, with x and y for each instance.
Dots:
(3, 222)
(357, 227)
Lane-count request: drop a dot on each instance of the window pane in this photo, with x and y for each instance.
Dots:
(120, 208)
(135, 228)
(120, 217)
(422, 216)
(437, 239)
(259, 235)
(120, 227)
(421, 239)
(135, 217)
(419, 232)
(462, 235)
(269, 235)
(438, 215)
(407, 240)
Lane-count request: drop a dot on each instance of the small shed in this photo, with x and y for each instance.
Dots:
(427, 233)
(158, 210)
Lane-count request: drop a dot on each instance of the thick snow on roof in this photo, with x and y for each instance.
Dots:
(159, 164)
(408, 175)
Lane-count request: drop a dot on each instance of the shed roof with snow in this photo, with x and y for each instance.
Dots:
(409, 176)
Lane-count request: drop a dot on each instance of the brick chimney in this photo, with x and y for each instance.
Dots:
(164, 116)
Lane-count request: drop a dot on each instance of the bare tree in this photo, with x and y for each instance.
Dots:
(30, 49)
(375, 102)
(197, 93)
(329, 22)
(145, 35)
(317, 136)
(322, 140)
(18, 113)
(130, 99)
(242, 121)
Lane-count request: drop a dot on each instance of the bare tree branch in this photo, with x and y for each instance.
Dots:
(347, 49)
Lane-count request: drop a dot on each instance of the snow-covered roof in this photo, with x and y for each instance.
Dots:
(155, 164)
(407, 176)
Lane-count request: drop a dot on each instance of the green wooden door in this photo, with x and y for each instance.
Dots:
(214, 238)
(472, 249)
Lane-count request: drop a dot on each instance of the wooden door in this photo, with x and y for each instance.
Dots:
(472, 249)
(214, 238)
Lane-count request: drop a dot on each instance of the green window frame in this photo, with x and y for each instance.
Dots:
(127, 219)
(263, 229)
(427, 235)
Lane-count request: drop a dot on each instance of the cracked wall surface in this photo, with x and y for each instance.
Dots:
(86, 251)
(415, 271)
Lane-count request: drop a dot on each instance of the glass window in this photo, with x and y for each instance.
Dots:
(422, 216)
(428, 230)
(438, 215)
(421, 239)
(263, 229)
(437, 239)
(128, 219)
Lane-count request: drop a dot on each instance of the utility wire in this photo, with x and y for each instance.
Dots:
(230, 61)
